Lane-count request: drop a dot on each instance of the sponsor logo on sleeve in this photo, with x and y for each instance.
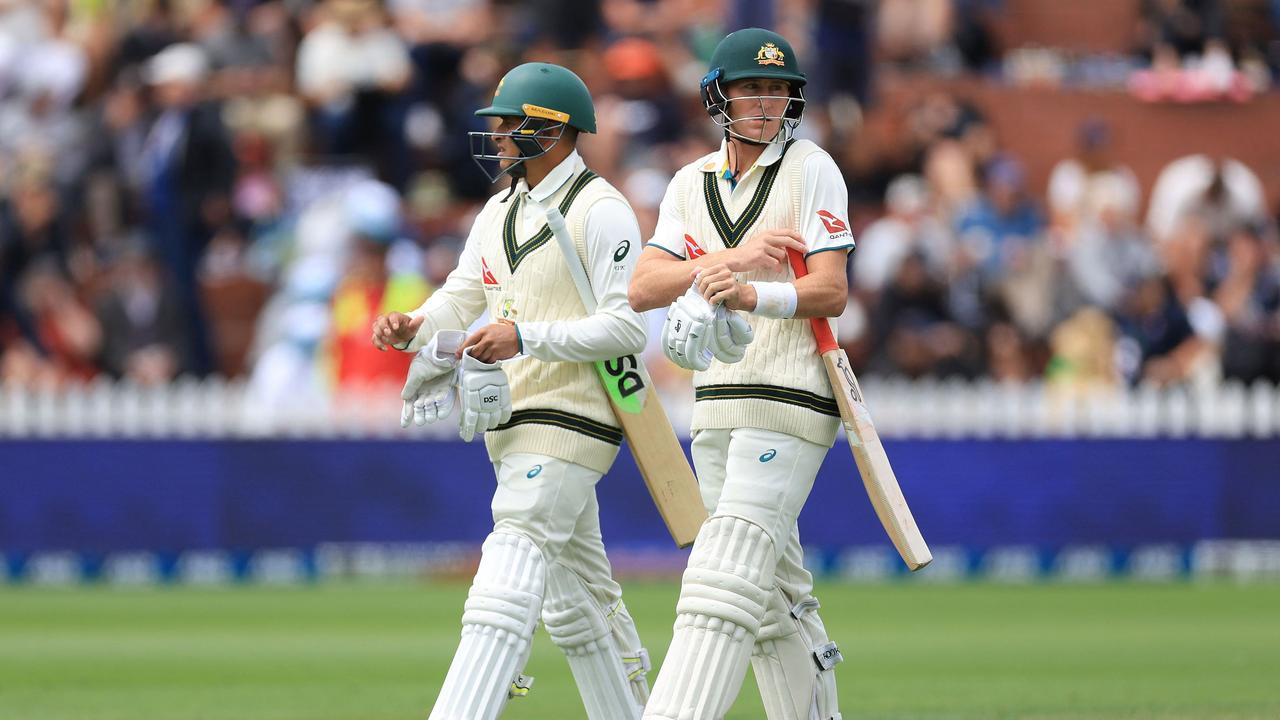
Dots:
(692, 249)
(836, 227)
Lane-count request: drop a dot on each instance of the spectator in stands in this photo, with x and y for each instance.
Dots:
(914, 332)
(455, 24)
(1247, 292)
(999, 227)
(916, 32)
(1157, 343)
(383, 272)
(144, 329)
(47, 75)
(1083, 352)
(565, 24)
(637, 118)
(908, 228)
(62, 336)
(1222, 193)
(352, 69)
(188, 169)
(1071, 189)
(249, 51)
(1107, 252)
(844, 37)
(33, 229)
(156, 28)
(1172, 29)
(453, 70)
(1196, 206)
(997, 234)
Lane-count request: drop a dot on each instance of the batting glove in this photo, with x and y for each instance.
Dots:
(687, 331)
(428, 390)
(485, 395)
(730, 335)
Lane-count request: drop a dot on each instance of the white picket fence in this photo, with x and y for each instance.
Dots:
(215, 408)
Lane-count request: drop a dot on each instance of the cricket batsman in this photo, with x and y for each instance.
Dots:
(527, 382)
(764, 415)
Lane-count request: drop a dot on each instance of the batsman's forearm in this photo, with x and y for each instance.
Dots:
(441, 312)
(603, 335)
(660, 279)
(817, 297)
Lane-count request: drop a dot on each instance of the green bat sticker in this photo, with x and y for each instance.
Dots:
(625, 380)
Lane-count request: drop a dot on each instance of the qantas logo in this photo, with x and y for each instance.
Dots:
(692, 248)
(488, 277)
(835, 226)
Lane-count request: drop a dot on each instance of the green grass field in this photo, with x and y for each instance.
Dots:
(366, 652)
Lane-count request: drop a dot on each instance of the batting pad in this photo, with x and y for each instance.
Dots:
(793, 661)
(497, 627)
(722, 600)
(580, 627)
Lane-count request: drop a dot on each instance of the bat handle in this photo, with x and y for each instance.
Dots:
(821, 328)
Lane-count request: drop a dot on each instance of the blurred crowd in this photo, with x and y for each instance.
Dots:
(238, 187)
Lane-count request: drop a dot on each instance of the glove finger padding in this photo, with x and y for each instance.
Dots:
(739, 328)
(432, 373)
(697, 352)
(730, 336)
(687, 332)
(434, 403)
(485, 395)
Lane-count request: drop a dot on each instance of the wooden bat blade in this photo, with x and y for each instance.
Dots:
(665, 469)
(653, 443)
(873, 464)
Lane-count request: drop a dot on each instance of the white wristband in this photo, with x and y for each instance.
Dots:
(775, 299)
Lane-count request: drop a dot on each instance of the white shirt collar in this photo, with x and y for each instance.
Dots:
(559, 175)
(719, 162)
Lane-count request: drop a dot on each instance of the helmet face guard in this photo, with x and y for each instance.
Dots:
(718, 105)
(527, 139)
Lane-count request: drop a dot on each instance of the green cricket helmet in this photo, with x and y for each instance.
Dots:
(549, 98)
(754, 53)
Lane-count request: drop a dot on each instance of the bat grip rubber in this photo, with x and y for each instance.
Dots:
(821, 328)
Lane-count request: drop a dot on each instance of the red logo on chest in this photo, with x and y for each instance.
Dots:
(488, 277)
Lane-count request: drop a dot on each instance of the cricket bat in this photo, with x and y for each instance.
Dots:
(653, 442)
(873, 464)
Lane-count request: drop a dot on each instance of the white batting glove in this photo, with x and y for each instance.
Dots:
(687, 332)
(428, 390)
(485, 396)
(730, 335)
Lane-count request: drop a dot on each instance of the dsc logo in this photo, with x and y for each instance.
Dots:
(622, 371)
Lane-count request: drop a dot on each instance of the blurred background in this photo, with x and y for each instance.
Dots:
(1064, 304)
(1064, 308)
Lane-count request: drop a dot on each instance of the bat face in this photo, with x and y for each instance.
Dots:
(873, 463)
